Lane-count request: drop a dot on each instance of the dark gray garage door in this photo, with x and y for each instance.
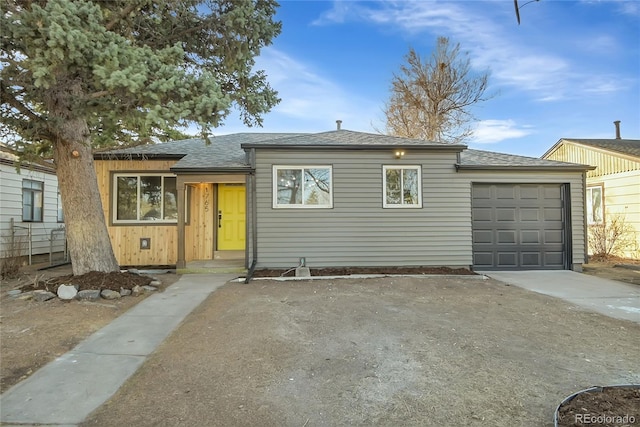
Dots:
(518, 226)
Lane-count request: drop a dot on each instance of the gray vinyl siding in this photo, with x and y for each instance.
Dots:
(358, 231)
(574, 179)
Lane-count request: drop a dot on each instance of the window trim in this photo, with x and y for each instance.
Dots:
(588, 202)
(33, 192)
(387, 205)
(59, 210)
(274, 190)
(138, 175)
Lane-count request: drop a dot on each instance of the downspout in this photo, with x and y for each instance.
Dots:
(254, 214)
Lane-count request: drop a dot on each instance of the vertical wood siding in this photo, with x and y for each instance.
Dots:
(199, 233)
(357, 231)
(126, 238)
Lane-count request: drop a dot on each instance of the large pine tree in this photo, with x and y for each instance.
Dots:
(80, 74)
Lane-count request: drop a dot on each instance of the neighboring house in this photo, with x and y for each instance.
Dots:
(613, 187)
(31, 218)
(340, 198)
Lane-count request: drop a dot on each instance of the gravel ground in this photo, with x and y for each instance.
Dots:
(390, 351)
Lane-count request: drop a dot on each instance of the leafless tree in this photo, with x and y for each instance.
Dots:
(432, 100)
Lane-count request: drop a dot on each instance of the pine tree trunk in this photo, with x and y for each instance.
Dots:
(87, 236)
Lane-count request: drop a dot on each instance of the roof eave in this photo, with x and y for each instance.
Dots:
(194, 170)
(572, 168)
(452, 147)
(136, 156)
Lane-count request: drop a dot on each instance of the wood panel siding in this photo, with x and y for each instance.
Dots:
(199, 232)
(606, 162)
(358, 231)
(126, 238)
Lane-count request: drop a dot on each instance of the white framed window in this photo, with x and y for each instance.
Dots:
(595, 211)
(145, 198)
(402, 187)
(302, 187)
(60, 214)
(32, 200)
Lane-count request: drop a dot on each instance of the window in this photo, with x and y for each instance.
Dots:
(142, 198)
(32, 201)
(402, 188)
(302, 187)
(60, 216)
(594, 205)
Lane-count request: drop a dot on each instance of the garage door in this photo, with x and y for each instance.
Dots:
(518, 226)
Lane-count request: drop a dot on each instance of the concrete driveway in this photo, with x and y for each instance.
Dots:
(608, 297)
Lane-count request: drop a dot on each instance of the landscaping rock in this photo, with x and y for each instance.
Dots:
(14, 292)
(67, 292)
(136, 291)
(155, 282)
(125, 292)
(109, 294)
(149, 288)
(89, 295)
(42, 296)
(24, 296)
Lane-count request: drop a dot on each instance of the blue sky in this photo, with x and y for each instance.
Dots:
(567, 71)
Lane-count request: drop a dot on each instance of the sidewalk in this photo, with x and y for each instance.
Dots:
(608, 297)
(67, 390)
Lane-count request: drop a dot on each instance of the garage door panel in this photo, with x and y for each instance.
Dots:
(506, 237)
(530, 237)
(518, 226)
(554, 259)
(505, 214)
(505, 193)
(552, 193)
(553, 236)
(483, 237)
(530, 259)
(482, 214)
(481, 193)
(507, 259)
(529, 214)
(552, 214)
(529, 193)
(484, 259)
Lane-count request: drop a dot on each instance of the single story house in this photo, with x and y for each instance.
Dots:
(31, 218)
(613, 187)
(341, 198)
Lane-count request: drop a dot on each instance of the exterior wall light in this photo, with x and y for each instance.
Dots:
(399, 154)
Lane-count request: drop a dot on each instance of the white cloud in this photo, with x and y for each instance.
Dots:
(310, 102)
(493, 131)
(514, 61)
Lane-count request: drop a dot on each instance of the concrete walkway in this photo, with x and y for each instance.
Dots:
(67, 390)
(608, 297)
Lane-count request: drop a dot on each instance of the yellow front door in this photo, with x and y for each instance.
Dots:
(231, 217)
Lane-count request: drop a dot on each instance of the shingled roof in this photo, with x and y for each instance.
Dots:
(351, 140)
(480, 159)
(227, 152)
(629, 147)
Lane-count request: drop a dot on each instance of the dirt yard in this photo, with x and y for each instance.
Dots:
(34, 333)
(389, 351)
